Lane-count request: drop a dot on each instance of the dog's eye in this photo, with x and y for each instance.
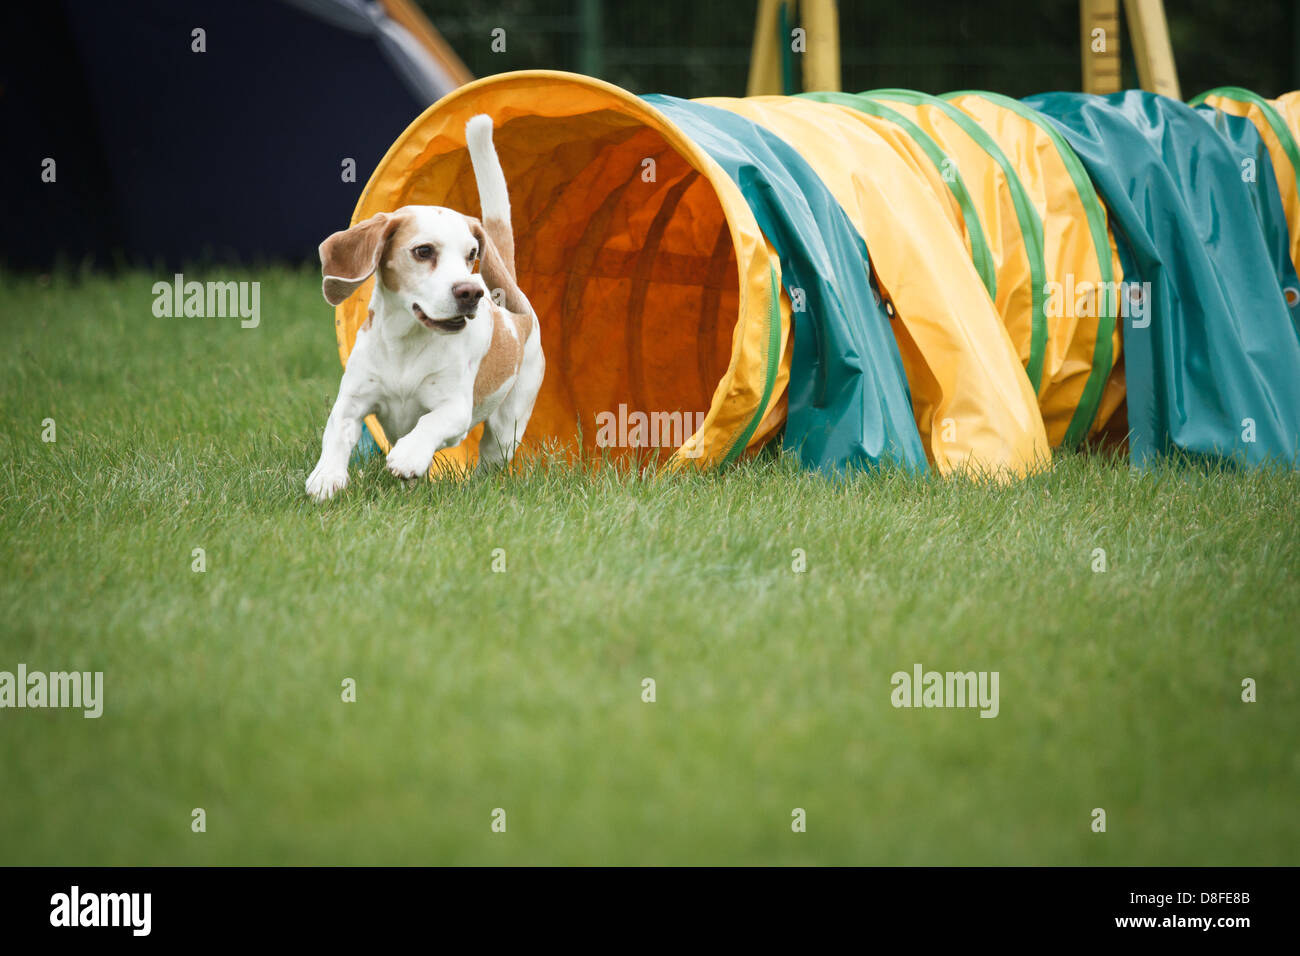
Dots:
(423, 252)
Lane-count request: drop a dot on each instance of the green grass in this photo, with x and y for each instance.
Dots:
(522, 690)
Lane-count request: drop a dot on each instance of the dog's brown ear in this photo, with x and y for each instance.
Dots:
(497, 273)
(350, 257)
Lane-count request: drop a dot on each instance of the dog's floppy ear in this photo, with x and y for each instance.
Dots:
(497, 274)
(350, 257)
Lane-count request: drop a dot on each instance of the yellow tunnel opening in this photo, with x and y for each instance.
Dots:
(630, 244)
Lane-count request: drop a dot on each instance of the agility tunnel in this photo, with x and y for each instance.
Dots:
(889, 278)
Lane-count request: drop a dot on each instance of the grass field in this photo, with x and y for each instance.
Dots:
(522, 690)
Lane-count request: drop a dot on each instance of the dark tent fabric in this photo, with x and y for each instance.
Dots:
(1216, 372)
(168, 155)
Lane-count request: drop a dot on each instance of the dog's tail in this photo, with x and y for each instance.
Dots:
(493, 197)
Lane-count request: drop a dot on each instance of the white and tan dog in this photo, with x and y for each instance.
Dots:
(436, 355)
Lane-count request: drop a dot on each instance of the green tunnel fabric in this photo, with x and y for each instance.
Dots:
(849, 403)
(1242, 137)
(1220, 351)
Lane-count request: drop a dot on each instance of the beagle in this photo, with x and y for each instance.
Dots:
(436, 356)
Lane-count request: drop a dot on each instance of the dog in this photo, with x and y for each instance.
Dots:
(446, 345)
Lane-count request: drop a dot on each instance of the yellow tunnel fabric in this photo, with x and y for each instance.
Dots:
(1076, 274)
(987, 185)
(1288, 106)
(972, 402)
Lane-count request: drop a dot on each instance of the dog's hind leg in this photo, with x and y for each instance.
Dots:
(505, 427)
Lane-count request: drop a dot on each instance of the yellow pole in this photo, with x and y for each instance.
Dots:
(821, 64)
(1149, 31)
(1099, 36)
(765, 54)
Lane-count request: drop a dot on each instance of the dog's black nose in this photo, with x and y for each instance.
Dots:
(467, 294)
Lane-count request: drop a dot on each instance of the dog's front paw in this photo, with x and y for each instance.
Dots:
(324, 483)
(409, 459)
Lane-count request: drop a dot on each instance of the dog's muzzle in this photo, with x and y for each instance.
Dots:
(453, 324)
